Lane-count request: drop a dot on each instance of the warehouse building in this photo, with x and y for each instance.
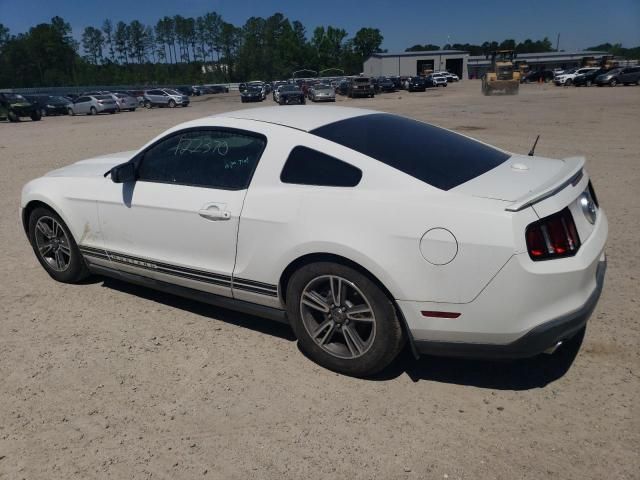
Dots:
(479, 64)
(416, 63)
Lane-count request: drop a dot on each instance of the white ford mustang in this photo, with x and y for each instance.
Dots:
(361, 229)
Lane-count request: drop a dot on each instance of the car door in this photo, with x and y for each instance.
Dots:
(81, 105)
(178, 222)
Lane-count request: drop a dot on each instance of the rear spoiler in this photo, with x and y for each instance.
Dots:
(570, 175)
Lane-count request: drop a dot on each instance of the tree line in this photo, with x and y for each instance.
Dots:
(178, 49)
(205, 49)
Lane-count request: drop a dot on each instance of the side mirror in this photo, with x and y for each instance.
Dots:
(123, 173)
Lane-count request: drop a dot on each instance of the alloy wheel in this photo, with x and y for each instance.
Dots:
(338, 316)
(52, 243)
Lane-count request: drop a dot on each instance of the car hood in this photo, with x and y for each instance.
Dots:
(519, 177)
(93, 167)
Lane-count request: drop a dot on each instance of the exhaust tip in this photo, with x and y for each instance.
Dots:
(551, 350)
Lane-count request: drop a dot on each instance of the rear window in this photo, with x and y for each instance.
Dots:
(103, 97)
(431, 154)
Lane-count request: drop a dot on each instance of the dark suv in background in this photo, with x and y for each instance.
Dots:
(13, 106)
(587, 79)
(360, 87)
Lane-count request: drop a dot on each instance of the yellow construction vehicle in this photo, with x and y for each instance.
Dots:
(502, 76)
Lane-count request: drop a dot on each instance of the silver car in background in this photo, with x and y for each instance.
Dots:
(321, 92)
(125, 101)
(164, 97)
(92, 105)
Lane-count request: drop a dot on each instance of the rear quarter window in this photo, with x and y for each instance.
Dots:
(436, 156)
(306, 166)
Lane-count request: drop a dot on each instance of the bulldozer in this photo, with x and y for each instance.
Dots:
(502, 76)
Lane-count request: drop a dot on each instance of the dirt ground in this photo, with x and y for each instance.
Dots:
(107, 380)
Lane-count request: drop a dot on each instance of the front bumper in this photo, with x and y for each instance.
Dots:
(534, 342)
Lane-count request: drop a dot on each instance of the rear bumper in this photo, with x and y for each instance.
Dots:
(534, 342)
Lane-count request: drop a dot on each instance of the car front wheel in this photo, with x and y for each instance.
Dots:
(55, 247)
(343, 320)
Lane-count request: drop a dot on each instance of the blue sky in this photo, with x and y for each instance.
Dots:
(581, 23)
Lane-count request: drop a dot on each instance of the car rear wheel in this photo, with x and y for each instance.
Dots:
(13, 117)
(70, 111)
(54, 246)
(147, 104)
(93, 111)
(36, 116)
(343, 320)
(613, 82)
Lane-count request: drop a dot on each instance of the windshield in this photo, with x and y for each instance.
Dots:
(254, 88)
(58, 99)
(436, 156)
(172, 92)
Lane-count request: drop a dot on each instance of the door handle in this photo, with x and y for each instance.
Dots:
(215, 212)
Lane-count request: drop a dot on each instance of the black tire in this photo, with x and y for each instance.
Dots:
(76, 269)
(13, 117)
(242, 100)
(588, 83)
(172, 104)
(93, 111)
(70, 112)
(381, 349)
(36, 116)
(613, 82)
(147, 104)
(568, 82)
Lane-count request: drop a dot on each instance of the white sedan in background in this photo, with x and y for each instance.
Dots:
(361, 229)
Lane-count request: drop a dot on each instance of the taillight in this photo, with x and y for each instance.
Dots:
(555, 236)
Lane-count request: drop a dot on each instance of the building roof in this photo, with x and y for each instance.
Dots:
(546, 55)
(424, 53)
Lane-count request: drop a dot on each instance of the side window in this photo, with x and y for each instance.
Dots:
(310, 167)
(83, 99)
(204, 158)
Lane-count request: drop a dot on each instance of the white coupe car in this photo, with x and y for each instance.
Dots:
(361, 229)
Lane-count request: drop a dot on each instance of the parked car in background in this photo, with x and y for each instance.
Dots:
(164, 97)
(242, 87)
(291, 94)
(611, 78)
(437, 80)
(343, 87)
(416, 84)
(321, 92)
(567, 76)
(360, 87)
(124, 101)
(545, 76)
(93, 105)
(384, 84)
(214, 89)
(587, 79)
(451, 77)
(13, 106)
(630, 75)
(253, 93)
(50, 104)
(185, 90)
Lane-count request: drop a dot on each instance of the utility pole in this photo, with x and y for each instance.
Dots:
(558, 43)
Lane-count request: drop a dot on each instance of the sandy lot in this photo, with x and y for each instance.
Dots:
(106, 380)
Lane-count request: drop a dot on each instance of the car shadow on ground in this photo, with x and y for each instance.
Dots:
(536, 372)
(522, 374)
(239, 319)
